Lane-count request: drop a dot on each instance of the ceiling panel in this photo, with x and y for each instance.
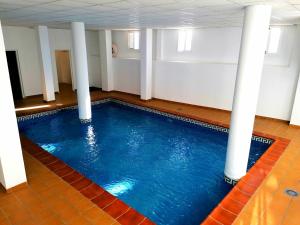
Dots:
(124, 14)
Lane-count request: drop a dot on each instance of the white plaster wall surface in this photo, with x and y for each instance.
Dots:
(93, 54)
(120, 38)
(127, 75)
(206, 75)
(208, 45)
(61, 39)
(278, 80)
(24, 41)
(194, 83)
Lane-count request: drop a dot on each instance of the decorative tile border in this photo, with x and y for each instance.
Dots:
(230, 180)
(85, 120)
(37, 115)
(54, 111)
(189, 120)
(147, 109)
(113, 206)
(232, 204)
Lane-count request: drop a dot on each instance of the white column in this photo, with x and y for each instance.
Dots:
(12, 171)
(81, 71)
(105, 43)
(295, 117)
(295, 112)
(47, 72)
(146, 64)
(251, 59)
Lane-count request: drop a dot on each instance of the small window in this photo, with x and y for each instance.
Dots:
(134, 40)
(274, 39)
(184, 40)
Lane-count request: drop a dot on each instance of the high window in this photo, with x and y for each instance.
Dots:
(184, 40)
(134, 40)
(274, 40)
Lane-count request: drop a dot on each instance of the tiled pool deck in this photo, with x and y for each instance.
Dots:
(268, 205)
(48, 200)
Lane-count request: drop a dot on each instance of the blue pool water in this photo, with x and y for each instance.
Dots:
(169, 170)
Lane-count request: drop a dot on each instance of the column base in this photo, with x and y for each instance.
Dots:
(85, 120)
(230, 180)
(15, 188)
(146, 100)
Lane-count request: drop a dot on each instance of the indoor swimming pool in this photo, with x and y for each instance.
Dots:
(167, 167)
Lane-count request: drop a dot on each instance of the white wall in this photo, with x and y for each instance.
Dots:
(214, 63)
(195, 83)
(206, 75)
(208, 45)
(93, 54)
(126, 65)
(24, 41)
(221, 45)
(127, 75)
(120, 38)
(60, 39)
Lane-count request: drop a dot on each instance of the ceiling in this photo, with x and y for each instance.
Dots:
(124, 14)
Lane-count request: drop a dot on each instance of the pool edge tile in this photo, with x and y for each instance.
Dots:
(92, 191)
(116, 209)
(131, 217)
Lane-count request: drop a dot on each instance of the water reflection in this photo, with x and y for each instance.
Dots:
(135, 140)
(120, 187)
(91, 137)
(91, 150)
(49, 147)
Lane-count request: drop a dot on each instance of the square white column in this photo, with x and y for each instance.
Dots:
(47, 72)
(146, 64)
(105, 44)
(12, 171)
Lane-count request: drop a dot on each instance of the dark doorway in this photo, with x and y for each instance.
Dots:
(14, 75)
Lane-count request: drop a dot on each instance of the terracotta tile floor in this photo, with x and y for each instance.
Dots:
(48, 199)
(269, 205)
